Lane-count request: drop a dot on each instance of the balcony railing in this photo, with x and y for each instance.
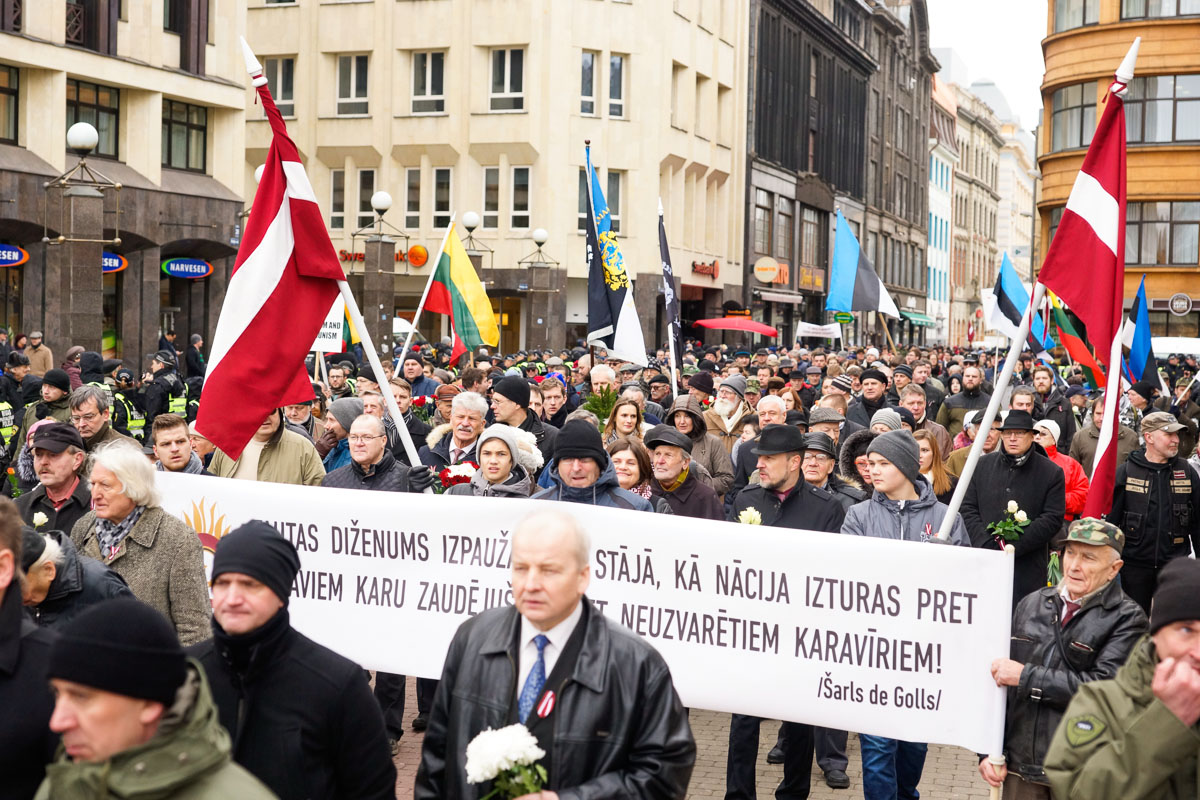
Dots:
(10, 15)
(76, 23)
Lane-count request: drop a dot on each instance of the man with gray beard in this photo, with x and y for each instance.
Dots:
(728, 414)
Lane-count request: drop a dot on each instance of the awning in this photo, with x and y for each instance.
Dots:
(918, 319)
(737, 324)
(783, 297)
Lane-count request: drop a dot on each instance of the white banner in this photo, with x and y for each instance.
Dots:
(871, 635)
(831, 331)
(329, 340)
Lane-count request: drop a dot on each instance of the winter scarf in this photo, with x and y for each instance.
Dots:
(194, 466)
(110, 534)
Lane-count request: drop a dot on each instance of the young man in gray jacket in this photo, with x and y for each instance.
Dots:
(902, 507)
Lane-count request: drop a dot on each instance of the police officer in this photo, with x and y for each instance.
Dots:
(128, 415)
(1154, 503)
(162, 388)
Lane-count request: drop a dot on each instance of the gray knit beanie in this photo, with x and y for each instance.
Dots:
(886, 416)
(900, 448)
(345, 410)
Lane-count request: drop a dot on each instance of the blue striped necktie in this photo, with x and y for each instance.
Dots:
(536, 680)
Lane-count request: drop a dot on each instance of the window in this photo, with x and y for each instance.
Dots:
(616, 86)
(280, 74)
(175, 16)
(9, 86)
(366, 188)
(1162, 233)
(184, 135)
(762, 221)
(613, 197)
(280, 2)
(100, 106)
(491, 197)
(784, 228)
(1073, 119)
(441, 197)
(1132, 9)
(583, 201)
(412, 198)
(587, 83)
(1164, 108)
(677, 116)
(520, 197)
(508, 80)
(337, 199)
(428, 86)
(352, 85)
(1075, 13)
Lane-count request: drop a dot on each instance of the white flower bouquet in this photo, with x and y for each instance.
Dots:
(507, 757)
(1011, 527)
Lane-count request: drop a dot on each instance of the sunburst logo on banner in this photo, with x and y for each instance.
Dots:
(210, 527)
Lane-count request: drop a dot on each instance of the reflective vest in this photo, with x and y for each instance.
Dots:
(8, 421)
(107, 390)
(135, 420)
(178, 405)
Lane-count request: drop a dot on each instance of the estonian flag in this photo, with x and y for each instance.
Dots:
(853, 284)
(1007, 305)
(612, 317)
(1142, 366)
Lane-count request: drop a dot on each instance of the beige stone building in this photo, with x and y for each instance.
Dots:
(456, 106)
(163, 85)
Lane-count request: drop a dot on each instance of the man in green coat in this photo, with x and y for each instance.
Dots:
(1136, 736)
(136, 716)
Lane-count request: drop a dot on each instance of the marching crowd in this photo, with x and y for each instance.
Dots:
(166, 683)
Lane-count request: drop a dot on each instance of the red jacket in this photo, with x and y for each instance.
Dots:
(1076, 482)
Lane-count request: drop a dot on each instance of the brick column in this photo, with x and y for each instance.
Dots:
(377, 295)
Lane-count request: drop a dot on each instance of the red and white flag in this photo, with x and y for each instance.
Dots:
(282, 286)
(1085, 265)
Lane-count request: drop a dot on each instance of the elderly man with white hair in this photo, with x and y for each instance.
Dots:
(554, 663)
(157, 554)
(454, 442)
(601, 377)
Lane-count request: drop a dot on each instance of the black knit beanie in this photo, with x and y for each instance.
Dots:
(1177, 597)
(58, 379)
(121, 646)
(580, 439)
(258, 550)
(515, 388)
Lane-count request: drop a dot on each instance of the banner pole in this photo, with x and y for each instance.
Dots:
(373, 357)
(993, 407)
(888, 331)
(425, 294)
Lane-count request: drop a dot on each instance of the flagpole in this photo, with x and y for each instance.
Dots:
(373, 358)
(888, 331)
(675, 385)
(993, 407)
(425, 294)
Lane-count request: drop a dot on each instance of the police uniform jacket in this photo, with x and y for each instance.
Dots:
(1155, 505)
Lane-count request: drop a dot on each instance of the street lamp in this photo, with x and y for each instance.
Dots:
(475, 248)
(80, 181)
(538, 258)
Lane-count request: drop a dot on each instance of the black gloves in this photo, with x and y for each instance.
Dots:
(420, 478)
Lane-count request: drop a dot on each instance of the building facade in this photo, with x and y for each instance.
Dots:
(163, 85)
(897, 165)
(809, 70)
(943, 158)
(458, 105)
(1085, 42)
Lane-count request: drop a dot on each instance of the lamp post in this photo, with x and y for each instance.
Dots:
(377, 289)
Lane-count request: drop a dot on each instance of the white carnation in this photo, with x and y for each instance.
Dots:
(494, 751)
(1013, 507)
(750, 516)
(1021, 517)
(463, 470)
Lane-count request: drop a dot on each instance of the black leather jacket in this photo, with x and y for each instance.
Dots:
(1090, 647)
(619, 728)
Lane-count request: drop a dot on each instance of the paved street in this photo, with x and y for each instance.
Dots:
(950, 772)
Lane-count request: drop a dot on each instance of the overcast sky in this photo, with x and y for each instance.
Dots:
(997, 40)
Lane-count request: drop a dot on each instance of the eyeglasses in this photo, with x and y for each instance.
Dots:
(818, 457)
(355, 439)
(85, 417)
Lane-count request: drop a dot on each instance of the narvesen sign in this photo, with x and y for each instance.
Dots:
(113, 262)
(12, 256)
(877, 636)
(191, 268)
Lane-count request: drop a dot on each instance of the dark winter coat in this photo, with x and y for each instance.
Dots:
(78, 583)
(1058, 658)
(194, 361)
(302, 718)
(934, 397)
(424, 386)
(606, 491)
(63, 519)
(806, 507)
(436, 452)
(1159, 524)
(861, 409)
(1039, 488)
(546, 435)
(851, 448)
(692, 499)
(26, 742)
(847, 491)
(1187, 416)
(955, 407)
(389, 475)
(417, 431)
(157, 395)
(1057, 408)
(707, 449)
(619, 730)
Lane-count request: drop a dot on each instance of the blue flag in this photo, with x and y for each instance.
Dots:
(853, 284)
(1011, 300)
(1141, 366)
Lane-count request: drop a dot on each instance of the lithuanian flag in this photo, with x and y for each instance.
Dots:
(457, 291)
(1068, 333)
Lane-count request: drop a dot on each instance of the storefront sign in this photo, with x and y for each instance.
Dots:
(12, 256)
(844, 317)
(1180, 304)
(713, 268)
(766, 270)
(112, 262)
(190, 268)
(416, 255)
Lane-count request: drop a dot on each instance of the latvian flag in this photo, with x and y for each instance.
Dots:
(283, 283)
(1085, 264)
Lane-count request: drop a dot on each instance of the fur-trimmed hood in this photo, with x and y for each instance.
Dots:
(856, 444)
(689, 404)
(437, 433)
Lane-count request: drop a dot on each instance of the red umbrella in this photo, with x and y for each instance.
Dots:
(737, 324)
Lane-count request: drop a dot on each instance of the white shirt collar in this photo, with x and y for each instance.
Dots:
(558, 635)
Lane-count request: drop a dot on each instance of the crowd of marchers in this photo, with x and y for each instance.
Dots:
(127, 671)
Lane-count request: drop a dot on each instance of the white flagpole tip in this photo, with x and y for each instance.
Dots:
(1125, 71)
(660, 209)
(252, 66)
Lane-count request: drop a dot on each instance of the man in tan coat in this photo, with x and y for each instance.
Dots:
(1087, 438)
(727, 416)
(273, 455)
(41, 357)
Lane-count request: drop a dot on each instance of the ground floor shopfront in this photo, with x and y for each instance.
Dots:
(116, 297)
